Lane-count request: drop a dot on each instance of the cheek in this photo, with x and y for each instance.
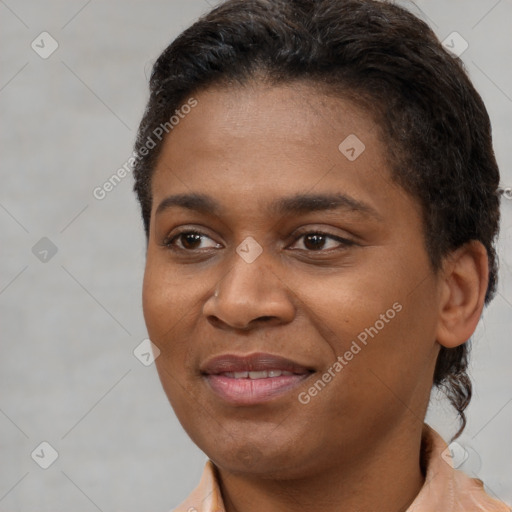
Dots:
(170, 305)
(383, 323)
(165, 314)
(162, 301)
(389, 354)
(341, 307)
(155, 303)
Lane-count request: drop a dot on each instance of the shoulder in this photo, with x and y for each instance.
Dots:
(447, 488)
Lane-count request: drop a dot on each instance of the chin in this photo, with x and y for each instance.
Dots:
(263, 459)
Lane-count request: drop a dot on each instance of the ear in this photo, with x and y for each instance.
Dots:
(464, 280)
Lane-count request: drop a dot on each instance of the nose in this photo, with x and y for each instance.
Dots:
(249, 295)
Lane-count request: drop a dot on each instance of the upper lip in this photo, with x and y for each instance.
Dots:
(251, 363)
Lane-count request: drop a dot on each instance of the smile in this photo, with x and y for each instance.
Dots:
(256, 375)
(252, 379)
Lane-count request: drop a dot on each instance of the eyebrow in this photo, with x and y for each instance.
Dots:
(298, 204)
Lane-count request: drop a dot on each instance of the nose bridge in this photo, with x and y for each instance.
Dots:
(250, 290)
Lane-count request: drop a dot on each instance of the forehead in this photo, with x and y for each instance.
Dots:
(280, 115)
(262, 141)
(296, 121)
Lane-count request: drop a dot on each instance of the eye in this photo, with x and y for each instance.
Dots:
(315, 241)
(189, 241)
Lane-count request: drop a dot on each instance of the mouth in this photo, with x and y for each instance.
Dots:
(254, 378)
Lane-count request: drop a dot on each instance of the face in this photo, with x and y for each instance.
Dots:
(287, 284)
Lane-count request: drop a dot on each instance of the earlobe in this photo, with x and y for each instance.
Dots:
(465, 276)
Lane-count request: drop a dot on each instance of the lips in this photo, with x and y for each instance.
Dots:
(252, 379)
(253, 363)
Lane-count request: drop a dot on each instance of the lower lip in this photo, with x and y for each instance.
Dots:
(253, 391)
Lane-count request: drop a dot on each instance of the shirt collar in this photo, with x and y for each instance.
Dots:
(445, 488)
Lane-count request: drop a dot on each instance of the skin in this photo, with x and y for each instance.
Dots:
(356, 444)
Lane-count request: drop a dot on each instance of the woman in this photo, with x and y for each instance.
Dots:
(320, 198)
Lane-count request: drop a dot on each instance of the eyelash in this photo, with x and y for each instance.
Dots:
(344, 242)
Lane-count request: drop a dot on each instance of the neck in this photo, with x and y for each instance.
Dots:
(386, 476)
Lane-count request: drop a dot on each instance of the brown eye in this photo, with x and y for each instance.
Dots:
(190, 241)
(316, 241)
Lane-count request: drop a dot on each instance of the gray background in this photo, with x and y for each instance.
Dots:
(69, 324)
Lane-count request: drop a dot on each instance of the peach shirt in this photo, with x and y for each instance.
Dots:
(445, 489)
